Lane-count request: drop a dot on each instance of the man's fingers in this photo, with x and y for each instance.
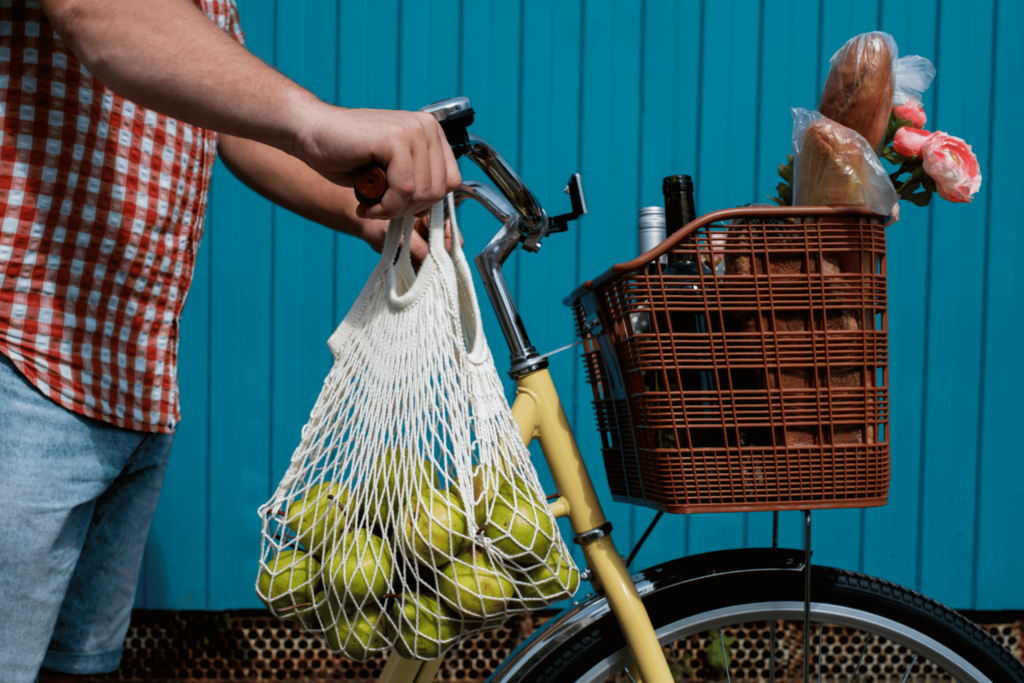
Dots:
(401, 185)
(423, 226)
(421, 198)
(421, 168)
(438, 168)
(453, 177)
(419, 248)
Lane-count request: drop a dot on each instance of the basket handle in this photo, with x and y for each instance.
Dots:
(715, 217)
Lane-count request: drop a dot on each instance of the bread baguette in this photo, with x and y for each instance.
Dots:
(791, 378)
(859, 88)
(833, 166)
(829, 168)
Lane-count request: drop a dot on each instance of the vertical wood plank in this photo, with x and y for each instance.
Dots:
(788, 77)
(550, 154)
(240, 364)
(303, 252)
(728, 142)
(610, 131)
(998, 581)
(668, 146)
(367, 45)
(962, 98)
(836, 533)
(886, 530)
(489, 75)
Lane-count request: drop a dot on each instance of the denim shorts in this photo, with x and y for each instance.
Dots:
(76, 499)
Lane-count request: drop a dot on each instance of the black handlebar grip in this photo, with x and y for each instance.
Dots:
(371, 184)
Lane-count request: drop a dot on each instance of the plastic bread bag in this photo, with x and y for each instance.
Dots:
(859, 90)
(835, 166)
(914, 74)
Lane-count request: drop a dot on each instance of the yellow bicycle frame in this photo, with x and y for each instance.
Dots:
(539, 414)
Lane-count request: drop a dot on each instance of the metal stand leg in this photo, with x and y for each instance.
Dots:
(771, 624)
(807, 596)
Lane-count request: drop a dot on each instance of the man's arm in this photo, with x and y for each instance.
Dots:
(288, 182)
(168, 56)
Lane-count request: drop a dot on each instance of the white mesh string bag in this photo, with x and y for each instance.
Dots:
(410, 514)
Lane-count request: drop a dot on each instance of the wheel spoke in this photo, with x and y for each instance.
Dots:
(907, 675)
(819, 652)
(771, 652)
(675, 660)
(725, 655)
(863, 651)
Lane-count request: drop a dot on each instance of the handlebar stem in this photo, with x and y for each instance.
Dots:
(525, 359)
(487, 196)
(533, 219)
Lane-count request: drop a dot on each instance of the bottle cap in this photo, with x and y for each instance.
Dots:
(651, 217)
(677, 183)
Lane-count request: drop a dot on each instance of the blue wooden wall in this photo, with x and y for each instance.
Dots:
(626, 93)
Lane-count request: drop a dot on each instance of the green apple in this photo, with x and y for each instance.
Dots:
(288, 580)
(360, 566)
(557, 578)
(435, 527)
(519, 524)
(475, 586)
(486, 482)
(424, 626)
(315, 517)
(354, 633)
(391, 483)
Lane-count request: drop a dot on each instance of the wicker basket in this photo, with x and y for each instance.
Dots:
(764, 388)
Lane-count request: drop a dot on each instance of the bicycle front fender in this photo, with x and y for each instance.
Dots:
(587, 621)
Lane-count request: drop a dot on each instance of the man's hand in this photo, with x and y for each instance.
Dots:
(420, 165)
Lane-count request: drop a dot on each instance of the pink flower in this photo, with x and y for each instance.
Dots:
(908, 141)
(911, 112)
(894, 215)
(952, 165)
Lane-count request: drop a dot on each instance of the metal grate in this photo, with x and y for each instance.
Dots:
(193, 647)
(841, 650)
(203, 647)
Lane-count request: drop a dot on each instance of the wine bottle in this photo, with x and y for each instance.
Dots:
(650, 233)
(679, 209)
(685, 268)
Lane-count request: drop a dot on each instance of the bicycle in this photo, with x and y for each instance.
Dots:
(633, 625)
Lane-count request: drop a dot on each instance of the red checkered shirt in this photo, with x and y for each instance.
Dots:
(102, 206)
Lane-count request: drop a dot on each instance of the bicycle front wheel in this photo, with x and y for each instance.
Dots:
(715, 614)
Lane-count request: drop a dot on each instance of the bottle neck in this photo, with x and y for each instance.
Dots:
(679, 211)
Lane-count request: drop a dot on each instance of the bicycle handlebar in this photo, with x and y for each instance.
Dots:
(455, 116)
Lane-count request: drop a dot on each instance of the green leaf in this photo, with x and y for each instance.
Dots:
(785, 194)
(919, 198)
(901, 123)
(889, 154)
(786, 170)
(895, 123)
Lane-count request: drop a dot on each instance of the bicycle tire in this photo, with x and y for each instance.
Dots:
(739, 586)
